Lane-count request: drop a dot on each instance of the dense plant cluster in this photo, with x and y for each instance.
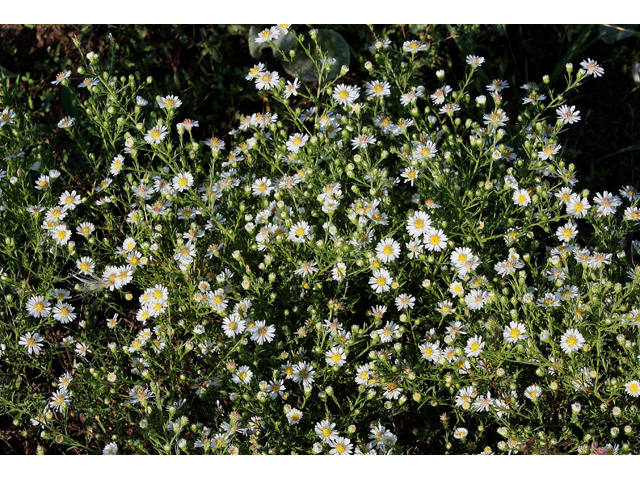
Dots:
(379, 268)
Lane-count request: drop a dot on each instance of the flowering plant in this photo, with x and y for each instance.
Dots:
(369, 269)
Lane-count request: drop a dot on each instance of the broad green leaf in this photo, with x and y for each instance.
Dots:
(613, 33)
(331, 44)
(4, 73)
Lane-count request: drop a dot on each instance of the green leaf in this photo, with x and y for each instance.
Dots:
(576, 49)
(613, 33)
(331, 44)
(69, 101)
(622, 150)
(4, 73)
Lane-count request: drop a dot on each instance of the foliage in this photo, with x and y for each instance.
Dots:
(398, 265)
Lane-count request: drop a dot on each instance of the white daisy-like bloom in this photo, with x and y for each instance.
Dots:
(38, 307)
(294, 416)
(474, 60)
(345, 95)
(632, 214)
(591, 67)
(296, 142)
(598, 259)
(445, 307)
(255, 71)
(514, 332)
(476, 299)
(307, 268)
(183, 181)
(362, 141)
(415, 248)
(521, 197)
(449, 108)
(217, 300)
(607, 203)
(549, 300)
(262, 187)
(303, 373)
(456, 289)
(69, 200)
(410, 174)
(474, 347)
(267, 80)
(339, 271)
(60, 77)
(85, 265)
(185, 253)
(381, 280)
(404, 301)
(292, 88)
(440, 94)
(326, 431)
(430, 351)
(424, 150)
(66, 122)
(60, 400)
(116, 164)
(533, 393)
(156, 135)
(460, 433)
(378, 89)
(128, 244)
(299, 232)
(242, 375)
(336, 357)
(387, 250)
(170, 101)
(418, 223)
(32, 342)
(571, 341)
(43, 182)
(61, 234)
(82, 350)
(495, 119)
(413, 46)
(577, 206)
(263, 332)
(110, 449)
(268, 35)
(632, 388)
(435, 240)
(567, 232)
(214, 143)
(388, 332)
(233, 325)
(460, 256)
(63, 312)
(568, 114)
(629, 192)
(548, 151)
(340, 446)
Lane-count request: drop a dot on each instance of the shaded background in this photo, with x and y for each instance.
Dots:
(205, 66)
